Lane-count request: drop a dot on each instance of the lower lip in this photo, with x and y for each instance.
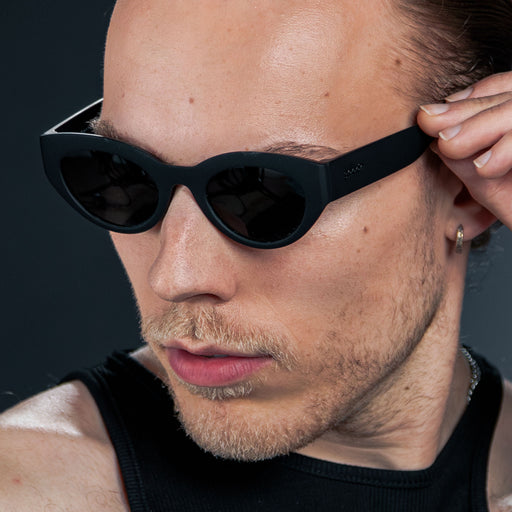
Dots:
(212, 371)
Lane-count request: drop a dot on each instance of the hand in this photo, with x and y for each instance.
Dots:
(473, 131)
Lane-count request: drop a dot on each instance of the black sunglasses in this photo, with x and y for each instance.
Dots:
(262, 200)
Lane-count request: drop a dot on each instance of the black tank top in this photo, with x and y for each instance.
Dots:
(164, 471)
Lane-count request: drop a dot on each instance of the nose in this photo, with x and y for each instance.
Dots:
(195, 261)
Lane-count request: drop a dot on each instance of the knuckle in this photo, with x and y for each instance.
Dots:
(482, 101)
(454, 149)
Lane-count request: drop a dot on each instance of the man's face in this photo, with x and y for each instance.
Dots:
(314, 331)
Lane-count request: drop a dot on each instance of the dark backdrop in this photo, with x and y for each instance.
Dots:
(65, 299)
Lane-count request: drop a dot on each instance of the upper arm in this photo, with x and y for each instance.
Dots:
(55, 455)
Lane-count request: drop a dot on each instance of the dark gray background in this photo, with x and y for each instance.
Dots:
(65, 299)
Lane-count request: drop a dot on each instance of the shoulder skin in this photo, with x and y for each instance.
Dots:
(56, 455)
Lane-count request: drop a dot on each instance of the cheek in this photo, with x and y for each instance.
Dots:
(137, 253)
(348, 270)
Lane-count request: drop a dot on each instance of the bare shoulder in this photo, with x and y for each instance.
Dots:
(55, 454)
(500, 466)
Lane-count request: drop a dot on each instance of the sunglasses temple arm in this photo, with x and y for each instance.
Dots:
(379, 159)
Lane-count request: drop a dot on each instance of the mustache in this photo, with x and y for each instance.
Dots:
(208, 325)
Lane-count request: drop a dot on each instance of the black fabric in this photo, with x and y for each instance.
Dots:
(163, 470)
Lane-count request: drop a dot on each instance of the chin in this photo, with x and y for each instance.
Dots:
(248, 427)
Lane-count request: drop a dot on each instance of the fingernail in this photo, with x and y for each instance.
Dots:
(483, 159)
(435, 109)
(460, 95)
(450, 133)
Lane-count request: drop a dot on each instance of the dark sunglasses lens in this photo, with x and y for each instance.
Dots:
(258, 203)
(109, 187)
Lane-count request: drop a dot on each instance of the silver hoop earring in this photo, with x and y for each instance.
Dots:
(459, 239)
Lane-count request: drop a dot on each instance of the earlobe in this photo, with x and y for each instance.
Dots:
(460, 207)
(468, 213)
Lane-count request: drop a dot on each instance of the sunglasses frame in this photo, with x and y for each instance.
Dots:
(321, 183)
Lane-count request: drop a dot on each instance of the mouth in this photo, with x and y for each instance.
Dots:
(208, 368)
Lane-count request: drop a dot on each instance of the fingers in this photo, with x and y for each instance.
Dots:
(475, 123)
(444, 115)
(496, 162)
(489, 86)
(473, 130)
(495, 194)
(469, 126)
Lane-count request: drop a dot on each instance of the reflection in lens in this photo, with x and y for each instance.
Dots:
(258, 203)
(110, 187)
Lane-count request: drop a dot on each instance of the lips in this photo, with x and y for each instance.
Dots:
(210, 369)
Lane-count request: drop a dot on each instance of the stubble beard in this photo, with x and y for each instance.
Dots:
(346, 376)
(231, 425)
(213, 427)
(238, 390)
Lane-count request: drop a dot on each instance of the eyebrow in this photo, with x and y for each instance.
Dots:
(107, 129)
(315, 152)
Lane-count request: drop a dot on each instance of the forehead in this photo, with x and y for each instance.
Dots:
(238, 74)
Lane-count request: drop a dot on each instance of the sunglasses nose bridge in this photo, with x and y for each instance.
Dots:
(172, 178)
(169, 178)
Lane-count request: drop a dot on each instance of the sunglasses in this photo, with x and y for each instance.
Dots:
(262, 200)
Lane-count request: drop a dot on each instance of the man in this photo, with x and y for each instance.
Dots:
(318, 369)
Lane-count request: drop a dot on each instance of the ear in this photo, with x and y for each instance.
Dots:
(463, 209)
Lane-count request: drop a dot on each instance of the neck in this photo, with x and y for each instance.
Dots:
(412, 413)
(402, 433)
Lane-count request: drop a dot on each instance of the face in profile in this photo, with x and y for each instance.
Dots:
(268, 351)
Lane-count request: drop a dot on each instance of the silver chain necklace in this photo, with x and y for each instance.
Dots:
(476, 373)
